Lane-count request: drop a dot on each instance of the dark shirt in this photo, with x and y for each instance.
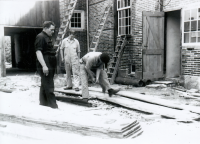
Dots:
(44, 43)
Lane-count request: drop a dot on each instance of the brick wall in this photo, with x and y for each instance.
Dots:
(96, 10)
(190, 54)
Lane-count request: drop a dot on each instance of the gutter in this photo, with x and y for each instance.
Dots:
(87, 5)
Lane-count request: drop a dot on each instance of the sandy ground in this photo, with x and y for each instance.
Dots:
(157, 130)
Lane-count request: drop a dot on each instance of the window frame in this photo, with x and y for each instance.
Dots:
(82, 12)
(129, 17)
(183, 28)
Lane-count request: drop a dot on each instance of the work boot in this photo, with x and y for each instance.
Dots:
(76, 89)
(113, 91)
(103, 90)
(68, 88)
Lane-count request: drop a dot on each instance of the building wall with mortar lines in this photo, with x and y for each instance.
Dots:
(81, 36)
(190, 54)
(96, 10)
(133, 51)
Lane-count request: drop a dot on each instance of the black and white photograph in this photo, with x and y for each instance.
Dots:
(99, 71)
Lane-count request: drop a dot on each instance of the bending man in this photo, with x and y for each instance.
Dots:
(92, 64)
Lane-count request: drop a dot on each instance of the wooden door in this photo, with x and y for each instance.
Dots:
(153, 45)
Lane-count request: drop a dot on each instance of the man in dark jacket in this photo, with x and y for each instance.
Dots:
(46, 64)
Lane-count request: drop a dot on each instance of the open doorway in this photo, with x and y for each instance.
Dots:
(22, 51)
(172, 44)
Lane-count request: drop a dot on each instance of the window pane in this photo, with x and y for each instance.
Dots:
(75, 20)
(76, 25)
(79, 15)
(119, 30)
(199, 13)
(120, 22)
(186, 26)
(123, 13)
(186, 37)
(72, 20)
(79, 19)
(199, 25)
(123, 21)
(127, 21)
(127, 30)
(198, 37)
(72, 24)
(193, 25)
(75, 14)
(122, 3)
(187, 15)
(193, 35)
(118, 4)
(128, 2)
(127, 14)
(79, 25)
(193, 14)
(120, 14)
(123, 30)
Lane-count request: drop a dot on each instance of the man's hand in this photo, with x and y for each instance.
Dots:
(93, 80)
(45, 70)
(97, 81)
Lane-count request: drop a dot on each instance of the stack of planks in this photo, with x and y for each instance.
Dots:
(84, 125)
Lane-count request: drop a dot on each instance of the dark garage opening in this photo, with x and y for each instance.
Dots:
(23, 57)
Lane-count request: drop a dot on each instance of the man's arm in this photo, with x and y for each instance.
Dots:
(62, 51)
(78, 50)
(42, 62)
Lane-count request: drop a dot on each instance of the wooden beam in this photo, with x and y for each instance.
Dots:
(2, 53)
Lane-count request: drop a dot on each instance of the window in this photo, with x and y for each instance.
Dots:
(191, 26)
(124, 17)
(77, 20)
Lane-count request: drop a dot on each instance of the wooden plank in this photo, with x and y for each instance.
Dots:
(150, 99)
(87, 125)
(153, 51)
(39, 13)
(180, 115)
(154, 14)
(2, 53)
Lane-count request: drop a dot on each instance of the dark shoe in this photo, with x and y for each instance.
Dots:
(76, 89)
(113, 91)
(103, 90)
(68, 88)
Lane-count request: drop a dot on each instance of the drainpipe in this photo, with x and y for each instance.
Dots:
(87, 5)
(161, 5)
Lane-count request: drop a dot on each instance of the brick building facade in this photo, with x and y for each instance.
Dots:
(185, 59)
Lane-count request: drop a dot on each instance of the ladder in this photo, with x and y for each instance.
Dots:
(96, 37)
(114, 65)
(65, 23)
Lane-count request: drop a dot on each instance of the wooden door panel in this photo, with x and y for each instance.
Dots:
(153, 45)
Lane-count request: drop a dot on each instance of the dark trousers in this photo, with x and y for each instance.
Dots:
(47, 97)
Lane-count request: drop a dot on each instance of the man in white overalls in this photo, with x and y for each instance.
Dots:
(71, 49)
